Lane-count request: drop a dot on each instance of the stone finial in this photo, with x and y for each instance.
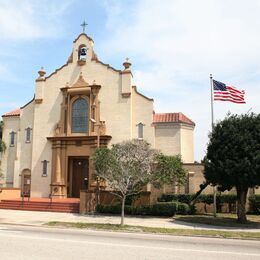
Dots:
(127, 64)
(41, 72)
(94, 82)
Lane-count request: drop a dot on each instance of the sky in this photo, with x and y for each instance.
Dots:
(173, 46)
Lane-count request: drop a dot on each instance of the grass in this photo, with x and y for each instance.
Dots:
(223, 220)
(155, 230)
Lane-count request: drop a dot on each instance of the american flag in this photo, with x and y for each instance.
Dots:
(223, 92)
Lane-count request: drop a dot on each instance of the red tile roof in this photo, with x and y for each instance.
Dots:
(172, 118)
(15, 112)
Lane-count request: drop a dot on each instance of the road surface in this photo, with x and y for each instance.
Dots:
(20, 242)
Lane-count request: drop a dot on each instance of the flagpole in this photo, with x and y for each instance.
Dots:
(212, 126)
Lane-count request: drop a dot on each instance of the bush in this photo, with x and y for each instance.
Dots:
(184, 198)
(183, 209)
(164, 209)
(254, 204)
(167, 209)
(132, 198)
(230, 199)
(109, 209)
(142, 210)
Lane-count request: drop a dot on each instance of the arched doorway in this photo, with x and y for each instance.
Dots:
(26, 183)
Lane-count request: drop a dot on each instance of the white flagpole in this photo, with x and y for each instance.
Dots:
(212, 126)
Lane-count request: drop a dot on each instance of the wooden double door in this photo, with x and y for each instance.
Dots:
(78, 177)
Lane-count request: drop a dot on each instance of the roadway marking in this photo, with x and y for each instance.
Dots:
(132, 246)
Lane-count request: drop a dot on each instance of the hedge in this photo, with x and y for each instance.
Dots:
(254, 204)
(158, 209)
(207, 199)
(204, 198)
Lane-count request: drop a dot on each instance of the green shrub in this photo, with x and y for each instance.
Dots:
(206, 198)
(109, 209)
(132, 198)
(184, 198)
(164, 209)
(183, 208)
(159, 209)
(230, 199)
(254, 204)
(142, 210)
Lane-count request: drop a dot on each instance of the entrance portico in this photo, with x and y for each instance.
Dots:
(71, 168)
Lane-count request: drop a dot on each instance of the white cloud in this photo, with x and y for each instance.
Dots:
(28, 19)
(175, 45)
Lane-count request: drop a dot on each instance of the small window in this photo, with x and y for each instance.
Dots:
(140, 130)
(12, 138)
(44, 168)
(28, 132)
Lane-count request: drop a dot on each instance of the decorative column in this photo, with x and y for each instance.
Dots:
(58, 166)
(58, 180)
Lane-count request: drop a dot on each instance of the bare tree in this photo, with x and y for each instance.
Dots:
(129, 166)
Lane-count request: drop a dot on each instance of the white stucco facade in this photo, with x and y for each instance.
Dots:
(117, 105)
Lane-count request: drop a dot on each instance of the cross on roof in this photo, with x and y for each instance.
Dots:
(84, 24)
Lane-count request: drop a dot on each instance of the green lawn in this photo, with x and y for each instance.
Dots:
(224, 220)
(168, 231)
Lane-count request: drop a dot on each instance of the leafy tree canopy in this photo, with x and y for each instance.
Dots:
(233, 154)
(233, 157)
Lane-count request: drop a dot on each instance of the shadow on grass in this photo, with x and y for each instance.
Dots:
(221, 221)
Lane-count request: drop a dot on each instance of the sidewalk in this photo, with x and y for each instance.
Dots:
(36, 218)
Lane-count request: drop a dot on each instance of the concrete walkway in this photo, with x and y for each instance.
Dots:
(36, 218)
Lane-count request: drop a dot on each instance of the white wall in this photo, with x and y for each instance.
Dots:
(10, 155)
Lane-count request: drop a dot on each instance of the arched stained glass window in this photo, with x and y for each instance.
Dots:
(79, 116)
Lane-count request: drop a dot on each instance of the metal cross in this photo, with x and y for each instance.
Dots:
(84, 24)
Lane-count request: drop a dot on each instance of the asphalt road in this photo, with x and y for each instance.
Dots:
(19, 242)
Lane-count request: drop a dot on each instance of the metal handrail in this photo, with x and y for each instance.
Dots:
(23, 193)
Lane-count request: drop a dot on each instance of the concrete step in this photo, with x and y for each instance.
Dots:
(41, 209)
(70, 207)
(39, 205)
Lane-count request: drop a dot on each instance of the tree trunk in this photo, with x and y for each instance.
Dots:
(203, 186)
(241, 204)
(97, 191)
(123, 211)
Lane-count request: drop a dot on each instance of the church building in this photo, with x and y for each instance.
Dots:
(82, 105)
